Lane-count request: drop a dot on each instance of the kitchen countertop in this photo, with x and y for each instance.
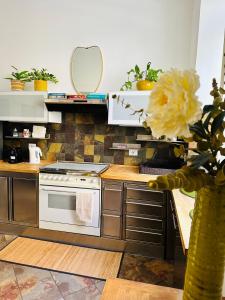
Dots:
(127, 173)
(23, 167)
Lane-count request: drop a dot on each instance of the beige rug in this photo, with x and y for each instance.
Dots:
(64, 258)
(6, 239)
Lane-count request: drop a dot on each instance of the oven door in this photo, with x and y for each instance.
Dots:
(58, 205)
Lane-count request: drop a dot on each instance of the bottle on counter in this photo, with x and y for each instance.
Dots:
(15, 132)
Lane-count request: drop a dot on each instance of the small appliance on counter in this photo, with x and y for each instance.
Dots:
(13, 155)
(34, 154)
(164, 160)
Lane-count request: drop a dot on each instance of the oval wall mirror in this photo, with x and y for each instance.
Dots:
(86, 69)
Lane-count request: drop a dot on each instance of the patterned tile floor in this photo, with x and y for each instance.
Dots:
(148, 270)
(26, 283)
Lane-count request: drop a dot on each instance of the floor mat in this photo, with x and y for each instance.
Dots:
(6, 239)
(64, 258)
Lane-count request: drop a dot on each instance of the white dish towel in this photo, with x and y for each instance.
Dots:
(85, 206)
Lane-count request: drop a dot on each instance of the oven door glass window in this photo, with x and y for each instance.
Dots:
(67, 202)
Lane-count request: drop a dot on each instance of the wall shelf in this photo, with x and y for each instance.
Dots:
(69, 106)
(25, 138)
(160, 141)
(123, 149)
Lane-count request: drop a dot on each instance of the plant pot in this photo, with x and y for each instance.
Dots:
(41, 85)
(206, 254)
(17, 85)
(145, 85)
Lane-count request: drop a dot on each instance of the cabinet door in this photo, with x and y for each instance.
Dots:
(112, 197)
(23, 106)
(111, 226)
(4, 199)
(24, 201)
(119, 115)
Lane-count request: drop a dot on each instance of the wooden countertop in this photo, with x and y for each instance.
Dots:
(23, 167)
(118, 289)
(127, 173)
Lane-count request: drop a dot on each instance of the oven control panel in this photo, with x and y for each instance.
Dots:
(69, 180)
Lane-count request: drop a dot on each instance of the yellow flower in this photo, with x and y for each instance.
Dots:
(173, 104)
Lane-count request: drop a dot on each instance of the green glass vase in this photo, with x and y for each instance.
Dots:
(206, 254)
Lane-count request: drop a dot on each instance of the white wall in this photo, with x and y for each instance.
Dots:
(44, 33)
(210, 45)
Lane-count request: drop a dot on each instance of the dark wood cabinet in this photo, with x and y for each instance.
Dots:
(134, 213)
(4, 199)
(24, 201)
(144, 219)
(112, 209)
(19, 199)
(174, 249)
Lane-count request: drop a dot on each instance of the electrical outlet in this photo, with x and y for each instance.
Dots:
(133, 152)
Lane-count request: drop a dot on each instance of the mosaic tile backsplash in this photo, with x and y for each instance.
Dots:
(85, 137)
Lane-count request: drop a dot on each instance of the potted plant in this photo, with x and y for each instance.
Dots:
(41, 78)
(18, 79)
(176, 111)
(145, 80)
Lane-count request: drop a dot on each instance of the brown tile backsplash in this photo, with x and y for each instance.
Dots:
(85, 137)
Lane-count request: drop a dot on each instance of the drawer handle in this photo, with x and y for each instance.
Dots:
(113, 190)
(114, 216)
(174, 222)
(143, 190)
(132, 217)
(144, 232)
(146, 204)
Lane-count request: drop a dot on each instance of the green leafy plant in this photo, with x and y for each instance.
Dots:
(20, 75)
(148, 74)
(42, 74)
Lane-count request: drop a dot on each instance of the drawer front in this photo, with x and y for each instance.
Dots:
(112, 199)
(111, 226)
(145, 223)
(145, 209)
(151, 237)
(144, 195)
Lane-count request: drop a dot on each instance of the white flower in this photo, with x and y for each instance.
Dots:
(173, 104)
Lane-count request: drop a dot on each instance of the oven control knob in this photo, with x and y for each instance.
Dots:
(49, 177)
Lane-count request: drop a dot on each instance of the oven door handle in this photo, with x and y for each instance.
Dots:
(58, 192)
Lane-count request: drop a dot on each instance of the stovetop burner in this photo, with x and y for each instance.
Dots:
(73, 168)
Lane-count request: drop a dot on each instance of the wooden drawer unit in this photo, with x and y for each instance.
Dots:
(142, 222)
(145, 236)
(143, 193)
(140, 208)
(112, 196)
(111, 226)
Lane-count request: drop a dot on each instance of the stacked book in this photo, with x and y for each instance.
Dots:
(90, 97)
(57, 96)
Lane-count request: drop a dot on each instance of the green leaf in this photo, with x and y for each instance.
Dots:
(208, 108)
(137, 69)
(217, 123)
(199, 160)
(148, 66)
(199, 129)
